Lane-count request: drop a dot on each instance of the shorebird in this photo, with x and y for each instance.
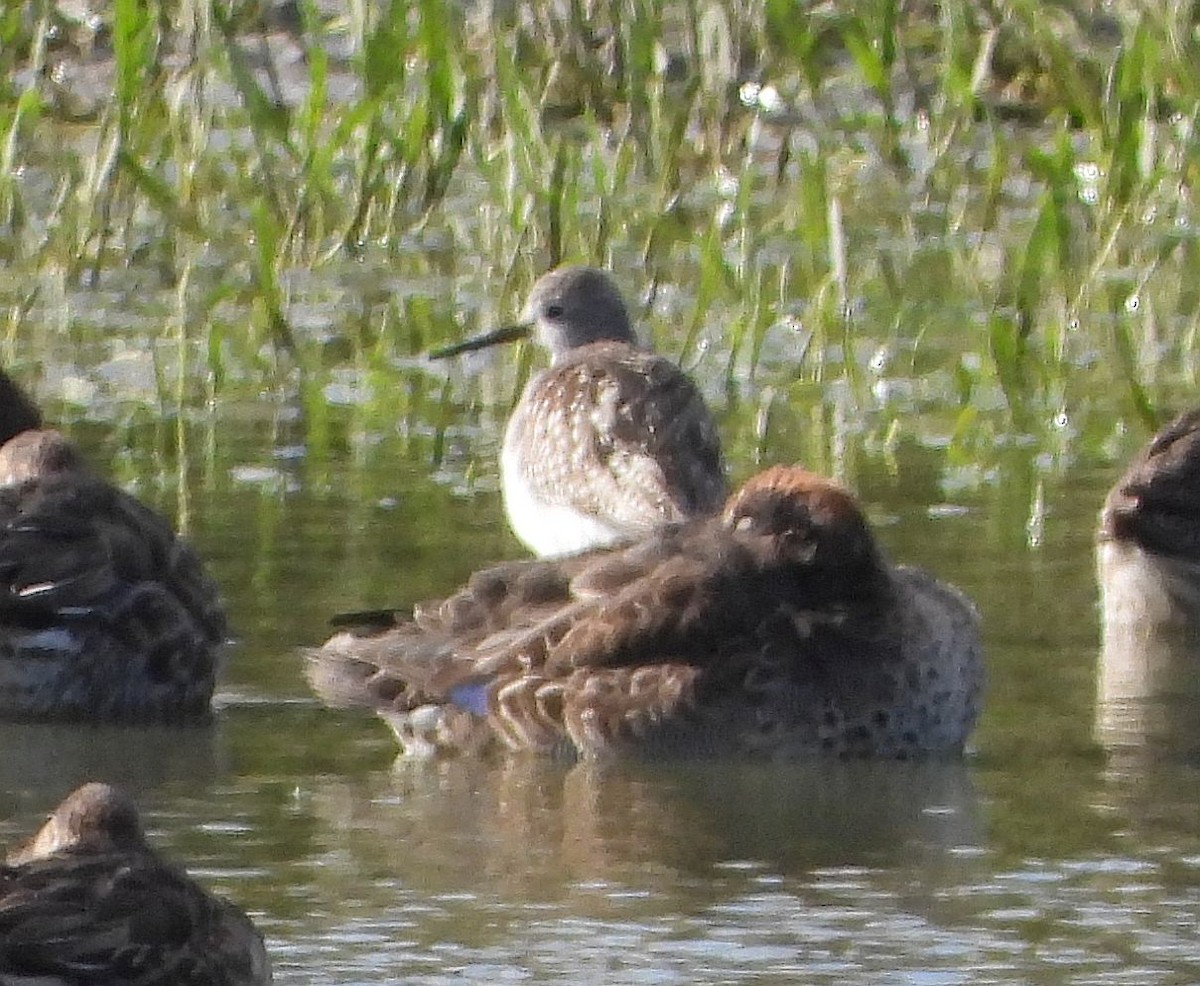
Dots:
(611, 440)
(87, 900)
(777, 628)
(104, 612)
(1148, 567)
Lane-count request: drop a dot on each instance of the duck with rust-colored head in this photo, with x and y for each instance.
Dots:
(612, 440)
(105, 613)
(777, 628)
(88, 901)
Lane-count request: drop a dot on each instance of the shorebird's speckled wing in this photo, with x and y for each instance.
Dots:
(621, 435)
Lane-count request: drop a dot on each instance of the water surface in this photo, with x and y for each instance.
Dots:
(1041, 858)
(349, 474)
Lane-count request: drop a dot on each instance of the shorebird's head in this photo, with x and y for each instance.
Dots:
(95, 817)
(567, 308)
(17, 411)
(575, 306)
(805, 519)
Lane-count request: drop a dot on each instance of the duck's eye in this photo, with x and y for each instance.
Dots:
(554, 311)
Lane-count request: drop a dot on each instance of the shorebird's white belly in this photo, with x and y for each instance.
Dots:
(549, 529)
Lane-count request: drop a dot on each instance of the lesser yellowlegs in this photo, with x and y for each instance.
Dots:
(612, 440)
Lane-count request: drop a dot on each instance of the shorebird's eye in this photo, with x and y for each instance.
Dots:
(554, 311)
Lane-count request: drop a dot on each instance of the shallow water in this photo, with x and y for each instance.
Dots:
(370, 479)
(1041, 858)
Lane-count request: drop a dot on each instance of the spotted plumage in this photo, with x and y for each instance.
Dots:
(104, 612)
(87, 902)
(776, 629)
(611, 440)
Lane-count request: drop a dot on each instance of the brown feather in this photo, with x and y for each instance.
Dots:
(88, 900)
(777, 627)
(653, 453)
(1155, 504)
(104, 612)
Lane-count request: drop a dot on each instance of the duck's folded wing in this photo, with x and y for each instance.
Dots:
(502, 597)
(386, 659)
(83, 548)
(514, 619)
(50, 563)
(669, 602)
(411, 664)
(647, 602)
(108, 918)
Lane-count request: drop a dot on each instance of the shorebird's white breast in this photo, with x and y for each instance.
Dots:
(560, 494)
(548, 529)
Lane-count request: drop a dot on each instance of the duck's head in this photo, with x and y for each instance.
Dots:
(93, 818)
(802, 518)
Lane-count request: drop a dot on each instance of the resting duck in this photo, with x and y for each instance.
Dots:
(1148, 566)
(105, 614)
(777, 628)
(88, 901)
(612, 440)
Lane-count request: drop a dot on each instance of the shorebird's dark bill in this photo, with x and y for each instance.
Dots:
(506, 334)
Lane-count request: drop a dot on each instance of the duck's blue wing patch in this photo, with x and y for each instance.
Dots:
(471, 696)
